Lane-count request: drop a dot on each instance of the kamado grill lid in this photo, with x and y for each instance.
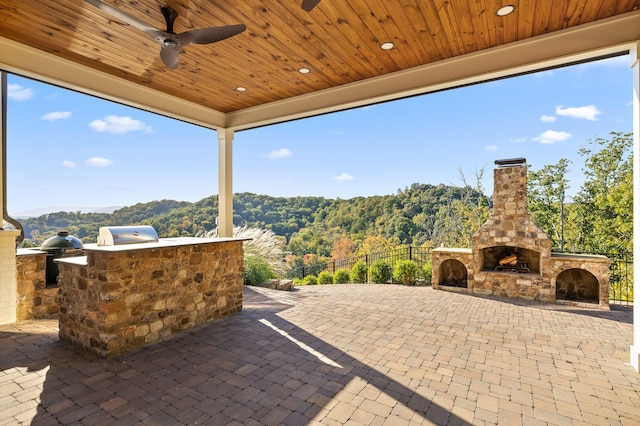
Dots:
(61, 241)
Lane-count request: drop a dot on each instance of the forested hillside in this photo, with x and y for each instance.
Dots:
(309, 225)
(598, 218)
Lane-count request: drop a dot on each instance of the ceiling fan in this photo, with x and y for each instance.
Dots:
(170, 42)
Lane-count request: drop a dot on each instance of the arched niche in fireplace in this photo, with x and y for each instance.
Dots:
(577, 285)
(510, 259)
(452, 273)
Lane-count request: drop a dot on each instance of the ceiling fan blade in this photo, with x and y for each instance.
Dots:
(210, 35)
(170, 57)
(308, 5)
(126, 18)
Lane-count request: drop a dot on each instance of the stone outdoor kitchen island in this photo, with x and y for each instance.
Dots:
(121, 297)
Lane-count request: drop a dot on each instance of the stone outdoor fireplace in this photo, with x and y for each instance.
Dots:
(511, 256)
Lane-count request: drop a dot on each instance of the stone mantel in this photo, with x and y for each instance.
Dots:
(117, 298)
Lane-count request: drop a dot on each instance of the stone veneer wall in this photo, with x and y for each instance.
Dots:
(510, 223)
(525, 286)
(125, 299)
(35, 299)
(462, 255)
(595, 264)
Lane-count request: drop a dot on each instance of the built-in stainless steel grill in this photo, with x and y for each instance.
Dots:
(117, 235)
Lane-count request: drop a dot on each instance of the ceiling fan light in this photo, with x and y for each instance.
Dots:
(387, 45)
(170, 43)
(505, 10)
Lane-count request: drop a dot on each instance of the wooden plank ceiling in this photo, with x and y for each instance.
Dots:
(338, 41)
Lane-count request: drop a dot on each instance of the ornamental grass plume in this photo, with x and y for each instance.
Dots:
(261, 246)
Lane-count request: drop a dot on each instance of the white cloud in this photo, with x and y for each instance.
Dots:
(280, 153)
(491, 147)
(116, 124)
(69, 164)
(517, 140)
(552, 136)
(547, 73)
(98, 162)
(617, 61)
(56, 115)
(343, 177)
(548, 118)
(18, 93)
(589, 112)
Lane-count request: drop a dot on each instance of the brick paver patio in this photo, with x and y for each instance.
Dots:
(341, 354)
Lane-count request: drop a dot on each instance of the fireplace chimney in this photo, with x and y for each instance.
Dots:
(510, 229)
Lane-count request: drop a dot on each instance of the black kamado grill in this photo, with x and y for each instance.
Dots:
(62, 245)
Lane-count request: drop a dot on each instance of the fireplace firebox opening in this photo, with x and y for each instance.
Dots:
(510, 259)
(453, 273)
(577, 285)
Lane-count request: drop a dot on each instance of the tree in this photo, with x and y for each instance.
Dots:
(461, 214)
(342, 248)
(374, 244)
(546, 200)
(605, 201)
(400, 229)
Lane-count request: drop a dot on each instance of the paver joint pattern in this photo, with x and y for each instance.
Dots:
(340, 355)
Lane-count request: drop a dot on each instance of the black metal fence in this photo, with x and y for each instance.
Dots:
(620, 280)
(420, 255)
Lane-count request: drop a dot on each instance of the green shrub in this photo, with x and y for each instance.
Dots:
(341, 276)
(380, 272)
(325, 277)
(257, 270)
(427, 272)
(405, 271)
(359, 272)
(310, 280)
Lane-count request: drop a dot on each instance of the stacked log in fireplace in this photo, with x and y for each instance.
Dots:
(510, 263)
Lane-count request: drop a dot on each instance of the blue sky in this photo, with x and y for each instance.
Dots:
(65, 148)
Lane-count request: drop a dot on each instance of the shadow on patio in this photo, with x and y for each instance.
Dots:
(357, 354)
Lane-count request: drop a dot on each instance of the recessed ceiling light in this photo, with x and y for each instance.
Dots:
(241, 89)
(505, 10)
(387, 46)
(304, 70)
